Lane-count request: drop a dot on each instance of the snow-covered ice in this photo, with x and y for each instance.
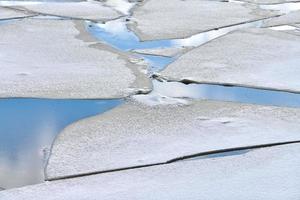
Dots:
(59, 59)
(133, 134)
(267, 173)
(166, 19)
(92, 10)
(251, 57)
(6, 13)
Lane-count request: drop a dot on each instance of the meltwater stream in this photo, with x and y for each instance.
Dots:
(176, 92)
(28, 128)
(116, 34)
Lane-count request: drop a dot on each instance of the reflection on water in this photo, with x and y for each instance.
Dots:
(223, 154)
(28, 128)
(174, 92)
(116, 34)
(157, 63)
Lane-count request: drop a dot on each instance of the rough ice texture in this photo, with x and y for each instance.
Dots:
(123, 6)
(6, 13)
(267, 173)
(260, 58)
(92, 10)
(133, 134)
(59, 59)
(269, 1)
(163, 19)
(290, 19)
(168, 52)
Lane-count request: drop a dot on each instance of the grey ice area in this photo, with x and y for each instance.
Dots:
(6, 13)
(19, 2)
(266, 2)
(267, 173)
(151, 21)
(65, 62)
(122, 6)
(91, 10)
(260, 58)
(288, 19)
(27, 131)
(282, 8)
(122, 138)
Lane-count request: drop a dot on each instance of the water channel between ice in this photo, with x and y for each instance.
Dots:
(29, 126)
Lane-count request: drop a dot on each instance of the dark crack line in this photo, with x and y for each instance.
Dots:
(35, 13)
(160, 78)
(16, 18)
(231, 150)
(251, 147)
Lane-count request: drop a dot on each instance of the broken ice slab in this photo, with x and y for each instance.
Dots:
(157, 20)
(91, 10)
(65, 62)
(121, 138)
(258, 58)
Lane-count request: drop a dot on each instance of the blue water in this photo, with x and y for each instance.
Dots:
(116, 34)
(223, 154)
(124, 39)
(247, 95)
(29, 126)
(220, 93)
(157, 63)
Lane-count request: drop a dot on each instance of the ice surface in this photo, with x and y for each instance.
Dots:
(133, 134)
(268, 173)
(59, 59)
(253, 57)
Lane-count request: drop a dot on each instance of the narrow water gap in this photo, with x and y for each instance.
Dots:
(177, 92)
(28, 129)
(222, 154)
